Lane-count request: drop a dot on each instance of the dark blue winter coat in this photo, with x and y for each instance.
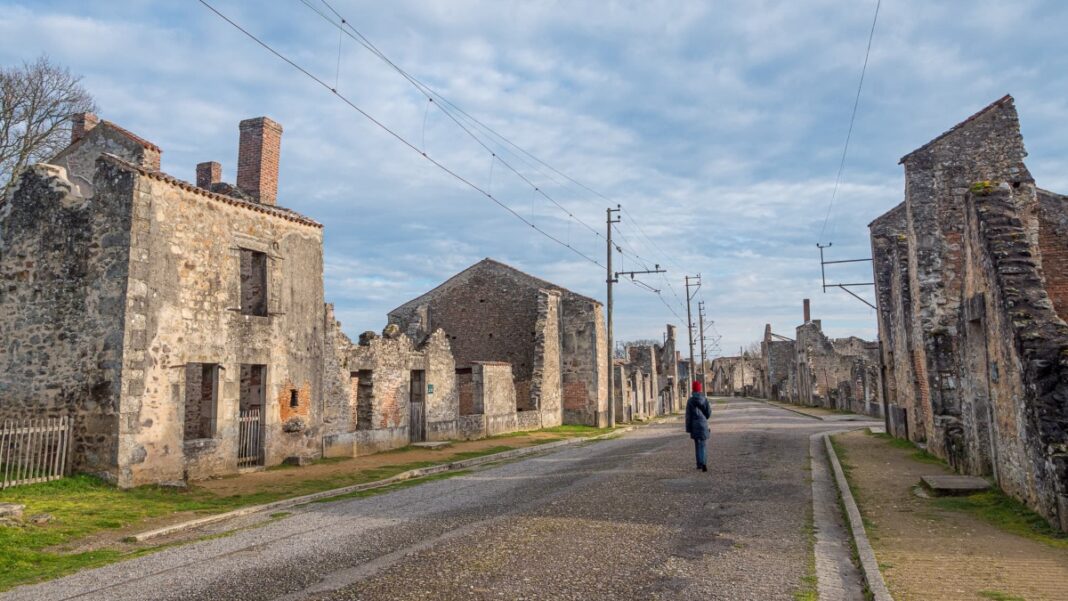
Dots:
(697, 413)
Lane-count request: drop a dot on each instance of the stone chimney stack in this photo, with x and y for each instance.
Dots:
(208, 173)
(257, 159)
(81, 123)
(808, 311)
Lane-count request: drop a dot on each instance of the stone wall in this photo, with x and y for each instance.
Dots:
(493, 384)
(985, 147)
(584, 362)
(668, 371)
(546, 384)
(1014, 347)
(63, 283)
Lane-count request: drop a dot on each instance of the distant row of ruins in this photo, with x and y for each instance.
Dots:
(183, 327)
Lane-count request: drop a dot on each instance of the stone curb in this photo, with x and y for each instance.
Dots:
(336, 492)
(869, 565)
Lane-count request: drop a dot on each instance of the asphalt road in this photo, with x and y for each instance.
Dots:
(626, 518)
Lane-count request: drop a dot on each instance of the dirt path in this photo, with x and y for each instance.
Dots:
(929, 553)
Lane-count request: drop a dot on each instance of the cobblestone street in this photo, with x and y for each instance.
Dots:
(627, 518)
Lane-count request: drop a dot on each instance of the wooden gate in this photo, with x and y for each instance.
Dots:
(249, 438)
(417, 423)
(33, 450)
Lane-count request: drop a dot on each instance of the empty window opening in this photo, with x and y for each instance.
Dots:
(364, 399)
(201, 400)
(253, 282)
(253, 387)
(294, 398)
(465, 388)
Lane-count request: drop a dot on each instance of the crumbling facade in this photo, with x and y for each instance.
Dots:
(742, 375)
(553, 338)
(157, 314)
(970, 275)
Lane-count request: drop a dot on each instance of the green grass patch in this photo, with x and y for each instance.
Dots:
(917, 454)
(999, 596)
(807, 590)
(997, 508)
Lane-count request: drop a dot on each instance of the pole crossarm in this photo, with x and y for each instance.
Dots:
(631, 274)
(844, 286)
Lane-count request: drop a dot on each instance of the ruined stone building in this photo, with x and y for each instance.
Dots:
(837, 373)
(971, 275)
(159, 314)
(553, 339)
(183, 327)
(742, 375)
(780, 366)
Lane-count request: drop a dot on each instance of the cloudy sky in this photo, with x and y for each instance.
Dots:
(718, 125)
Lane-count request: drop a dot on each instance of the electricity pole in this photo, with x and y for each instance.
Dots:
(608, 319)
(613, 277)
(701, 328)
(696, 285)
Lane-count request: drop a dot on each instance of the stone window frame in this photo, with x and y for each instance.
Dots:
(216, 404)
(244, 242)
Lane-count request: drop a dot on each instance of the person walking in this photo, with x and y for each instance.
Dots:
(697, 414)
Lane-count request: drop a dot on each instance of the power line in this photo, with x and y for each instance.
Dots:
(399, 137)
(446, 106)
(430, 95)
(852, 119)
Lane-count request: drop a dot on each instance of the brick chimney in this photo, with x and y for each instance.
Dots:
(81, 123)
(257, 159)
(808, 311)
(208, 173)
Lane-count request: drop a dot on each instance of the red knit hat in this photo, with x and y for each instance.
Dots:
(696, 386)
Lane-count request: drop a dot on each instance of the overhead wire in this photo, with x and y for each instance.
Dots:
(852, 120)
(397, 136)
(446, 106)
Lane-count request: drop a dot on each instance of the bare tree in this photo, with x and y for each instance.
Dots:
(36, 102)
(754, 349)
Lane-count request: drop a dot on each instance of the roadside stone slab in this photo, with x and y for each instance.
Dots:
(948, 485)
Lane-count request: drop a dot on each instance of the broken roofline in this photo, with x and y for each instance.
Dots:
(1006, 99)
(415, 302)
(272, 210)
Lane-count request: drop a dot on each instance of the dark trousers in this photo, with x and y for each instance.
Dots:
(699, 450)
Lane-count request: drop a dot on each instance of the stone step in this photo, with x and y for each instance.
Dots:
(949, 485)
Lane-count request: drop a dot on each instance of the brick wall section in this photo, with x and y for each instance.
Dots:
(258, 155)
(208, 174)
(491, 312)
(1053, 243)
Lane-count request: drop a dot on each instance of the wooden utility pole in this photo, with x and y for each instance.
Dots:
(701, 328)
(696, 285)
(611, 279)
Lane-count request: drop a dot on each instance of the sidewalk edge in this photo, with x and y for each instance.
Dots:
(869, 565)
(336, 492)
